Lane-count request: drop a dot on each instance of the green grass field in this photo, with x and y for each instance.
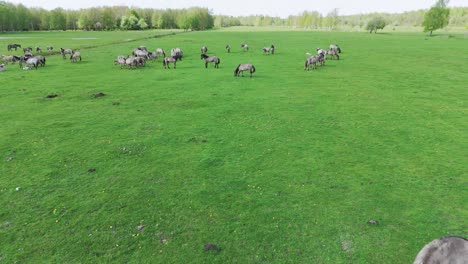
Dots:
(285, 167)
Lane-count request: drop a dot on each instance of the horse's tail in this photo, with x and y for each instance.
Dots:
(236, 71)
(253, 69)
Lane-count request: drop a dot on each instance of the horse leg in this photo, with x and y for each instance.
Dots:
(206, 65)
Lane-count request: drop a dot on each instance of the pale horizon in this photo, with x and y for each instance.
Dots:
(258, 7)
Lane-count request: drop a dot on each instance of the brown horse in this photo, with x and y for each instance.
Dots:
(209, 59)
(244, 67)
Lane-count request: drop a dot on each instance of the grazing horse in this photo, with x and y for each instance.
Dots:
(311, 62)
(244, 67)
(321, 51)
(27, 49)
(13, 46)
(245, 47)
(321, 59)
(209, 59)
(131, 62)
(177, 53)
(160, 51)
(168, 60)
(152, 56)
(42, 60)
(204, 50)
(9, 58)
(65, 51)
(333, 53)
(49, 48)
(120, 60)
(228, 48)
(445, 250)
(32, 62)
(38, 49)
(75, 55)
(335, 47)
(140, 53)
(269, 50)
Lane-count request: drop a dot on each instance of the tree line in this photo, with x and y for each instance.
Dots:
(20, 18)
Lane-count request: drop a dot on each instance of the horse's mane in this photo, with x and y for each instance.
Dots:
(236, 71)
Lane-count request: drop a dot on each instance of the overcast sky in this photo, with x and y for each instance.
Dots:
(281, 8)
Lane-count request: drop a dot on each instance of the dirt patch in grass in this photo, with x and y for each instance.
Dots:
(212, 247)
(51, 96)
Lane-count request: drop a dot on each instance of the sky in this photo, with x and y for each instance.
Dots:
(282, 8)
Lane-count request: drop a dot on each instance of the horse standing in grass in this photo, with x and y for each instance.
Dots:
(38, 49)
(32, 62)
(65, 51)
(445, 250)
(120, 60)
(244, 67)
(168, 60)
(160, 51)
(335, 47)
(269, 50)
(333, 53)
(245, 47)
(209, 59)
(74, 56)
(13, 46)
(204, 50)
(9, 58)
(49, 48)
(228, 48)
(27, 49)
(177, 53)
(311, 62)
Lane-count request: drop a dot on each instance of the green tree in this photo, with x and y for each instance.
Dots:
(437, 17)
(129, 23)
(376, 23)
(108, 19)
(142, 24)
(57, 19)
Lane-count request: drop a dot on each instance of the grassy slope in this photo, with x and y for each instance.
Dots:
(285, 167)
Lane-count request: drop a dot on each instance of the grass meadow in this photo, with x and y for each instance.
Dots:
(286, 167)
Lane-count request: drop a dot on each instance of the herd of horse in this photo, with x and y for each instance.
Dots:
(29, 61)
(141, 54)
(319, 60)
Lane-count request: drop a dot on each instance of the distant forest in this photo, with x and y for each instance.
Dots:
(17, 17)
